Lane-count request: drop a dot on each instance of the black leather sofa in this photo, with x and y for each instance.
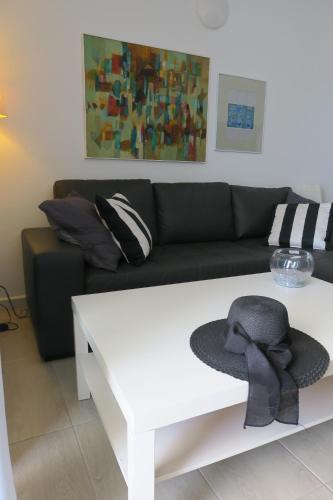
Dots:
(200, 231)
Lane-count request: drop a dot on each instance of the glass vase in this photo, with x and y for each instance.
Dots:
(291, 267)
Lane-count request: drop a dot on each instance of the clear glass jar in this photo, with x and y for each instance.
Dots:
(291, 267)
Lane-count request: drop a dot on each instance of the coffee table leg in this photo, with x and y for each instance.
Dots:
(141, 465)
(81, 347)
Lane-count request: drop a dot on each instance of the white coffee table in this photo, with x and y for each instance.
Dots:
(164, 411)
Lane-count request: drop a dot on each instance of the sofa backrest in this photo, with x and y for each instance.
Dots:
(253, 209)
(193, 212)
(138, 191)
(189, 211)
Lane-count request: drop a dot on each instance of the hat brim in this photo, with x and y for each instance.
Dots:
(309, 364)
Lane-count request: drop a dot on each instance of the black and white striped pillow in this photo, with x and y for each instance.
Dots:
(127, 227)
(303, 225)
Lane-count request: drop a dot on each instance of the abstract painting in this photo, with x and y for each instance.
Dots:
(240, 119)
(144, 103)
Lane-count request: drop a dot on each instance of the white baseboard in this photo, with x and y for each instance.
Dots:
(19, 301)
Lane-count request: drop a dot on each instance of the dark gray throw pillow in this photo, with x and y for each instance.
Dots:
(297, 198)
(61, 233)
(78, 219)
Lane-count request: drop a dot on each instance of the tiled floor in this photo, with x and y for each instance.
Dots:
(60, 451)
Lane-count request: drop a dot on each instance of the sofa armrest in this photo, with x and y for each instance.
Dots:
(323, 265)
(54, 271)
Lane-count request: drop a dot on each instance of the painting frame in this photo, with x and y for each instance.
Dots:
(197, 136)
(240, 114)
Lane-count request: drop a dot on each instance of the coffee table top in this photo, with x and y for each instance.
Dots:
(141, 341)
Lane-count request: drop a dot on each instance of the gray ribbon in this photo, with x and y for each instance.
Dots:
(273, 393)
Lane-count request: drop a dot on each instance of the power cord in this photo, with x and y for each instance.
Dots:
(10, 324)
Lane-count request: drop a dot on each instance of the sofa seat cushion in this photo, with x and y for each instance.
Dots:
(178, 263)
(323, 258)
(139, 191)
(193, 212)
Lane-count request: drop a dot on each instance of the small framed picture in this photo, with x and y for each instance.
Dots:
(240, 117)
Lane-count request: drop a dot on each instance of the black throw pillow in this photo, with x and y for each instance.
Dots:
(127, 227)
(78, 220)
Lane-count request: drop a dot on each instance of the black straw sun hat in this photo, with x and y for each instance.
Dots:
(257, 344)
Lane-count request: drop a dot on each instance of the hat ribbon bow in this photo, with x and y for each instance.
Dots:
(273, 393)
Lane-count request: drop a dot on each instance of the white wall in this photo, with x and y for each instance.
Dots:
(288, 43)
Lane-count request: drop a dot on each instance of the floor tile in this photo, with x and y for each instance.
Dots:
(191, 486)
(19, 344)
(320, 494)
(269, 472)
(314, 447)
(34, 403)
(101, 462)
(51, 467)
(79, 411)
(107, 478)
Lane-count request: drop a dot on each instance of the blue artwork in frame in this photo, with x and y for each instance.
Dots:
(240, 116)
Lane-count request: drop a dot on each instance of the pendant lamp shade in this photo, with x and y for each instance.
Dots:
(213, 13)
